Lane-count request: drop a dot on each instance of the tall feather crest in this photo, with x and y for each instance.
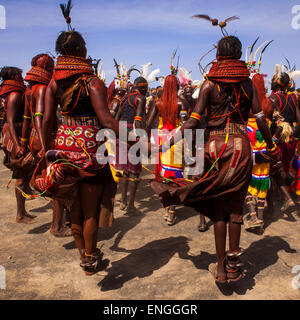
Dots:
(252, 48)
(66, 10)
(256, 52)
(279, 69)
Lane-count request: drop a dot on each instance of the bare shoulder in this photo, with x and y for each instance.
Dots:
(141, 98)
(52, 86)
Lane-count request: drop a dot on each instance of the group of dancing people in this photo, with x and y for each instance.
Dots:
(251, 142)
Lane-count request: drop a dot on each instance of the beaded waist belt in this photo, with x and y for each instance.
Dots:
(231, 128)
(80, 121)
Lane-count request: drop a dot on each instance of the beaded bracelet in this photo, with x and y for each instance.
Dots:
(272, 150)
(39, 114)
(26, 117)
(196, 116)
(137, 118)
(259, 115)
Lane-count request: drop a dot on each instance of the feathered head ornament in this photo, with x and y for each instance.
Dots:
(292, 72)
(215, 22)
(174, 70)
(253, 64)
(144, 72)
(66, 10)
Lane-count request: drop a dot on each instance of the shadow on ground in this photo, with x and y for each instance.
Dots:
(144, 261)
(44, 208)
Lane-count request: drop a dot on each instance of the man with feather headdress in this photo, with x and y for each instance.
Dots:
(132, 110)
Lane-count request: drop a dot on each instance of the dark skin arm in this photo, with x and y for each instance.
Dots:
(98, 99)
(49, 115)
(140, 110)
(39, 98)
(14, 102)
(114, 108)
(151, 116)
(261, 122)
(183, 106)
(26, 125)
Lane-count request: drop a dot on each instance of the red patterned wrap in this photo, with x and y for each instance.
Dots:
(9, 86)
(67, 66)
(40, 75)
(228, 71)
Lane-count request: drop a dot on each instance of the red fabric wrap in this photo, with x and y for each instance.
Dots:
(67, 66)
(39, 75)
(228, 71)
(9, 86)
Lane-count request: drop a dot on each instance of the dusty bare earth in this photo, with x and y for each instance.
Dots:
(148, 259)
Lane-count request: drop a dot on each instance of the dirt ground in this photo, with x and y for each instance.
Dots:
(148, 259)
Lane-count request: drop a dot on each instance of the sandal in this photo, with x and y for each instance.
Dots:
(219, 277)
(202, 227)
(93, 263)
(288, 204)
(171, 220)
(166, 215)
(233, 267)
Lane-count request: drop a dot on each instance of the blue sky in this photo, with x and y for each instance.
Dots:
(136, 32)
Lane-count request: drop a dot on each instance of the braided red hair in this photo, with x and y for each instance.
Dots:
(168, 109)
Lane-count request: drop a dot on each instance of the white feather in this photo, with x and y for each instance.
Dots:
(100, 69)
(279, 69)
(294, 75)
(256, 52)
(246, 58)
(145, 69)
(185, 74)
(152, 75)
(196, 93)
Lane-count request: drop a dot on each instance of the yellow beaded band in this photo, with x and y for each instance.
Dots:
(39, 114)
(196, 116)
(25, 117)
(137, 118)
(272, 149)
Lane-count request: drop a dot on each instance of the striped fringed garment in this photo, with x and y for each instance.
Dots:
(293, 177)
(170, 163)
(260, 181)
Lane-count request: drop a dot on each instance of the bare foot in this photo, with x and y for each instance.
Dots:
(25, 220)
(63, 232)
(30, 216)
